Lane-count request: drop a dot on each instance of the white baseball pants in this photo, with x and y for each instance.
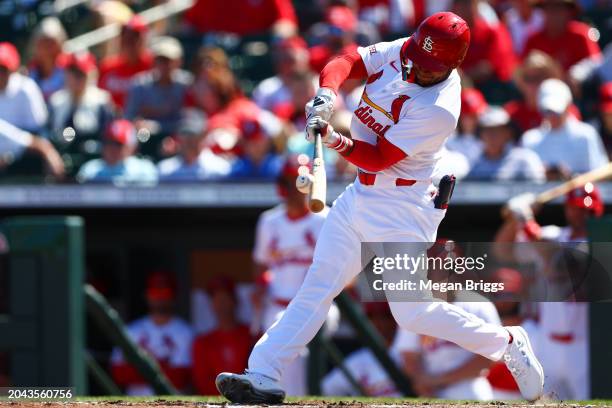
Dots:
(370, 214)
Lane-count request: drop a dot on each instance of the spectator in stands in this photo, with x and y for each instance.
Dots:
(209, 61)
(500, 159)
(464, 140)
(227, 347)
(363, 365)
(523, 20)
(218, 94)
(14, 142)
(565, 145)
(159, 95)
(535, 68)
(258, 161)
(605, 110)
(290, 58)
(195, 161)
(116, 72)
(80, 105)
(339, 38)
(21, 102)
(275, 17)
(163, 335)
(490, 56)
(569, 42)
(46, 66)
(118, 163)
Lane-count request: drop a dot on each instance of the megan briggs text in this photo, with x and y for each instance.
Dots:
(422, 285)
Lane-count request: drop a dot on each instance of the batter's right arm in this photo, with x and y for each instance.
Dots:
(336, 71)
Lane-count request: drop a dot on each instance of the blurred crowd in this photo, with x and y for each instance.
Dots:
(219, 95)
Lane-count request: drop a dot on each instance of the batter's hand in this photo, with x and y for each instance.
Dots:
(322, 104)
(317, 124)
(520, 207)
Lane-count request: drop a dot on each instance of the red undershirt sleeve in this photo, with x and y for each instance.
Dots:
(367, 156)
(341, 68)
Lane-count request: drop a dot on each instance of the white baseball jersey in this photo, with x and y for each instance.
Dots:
(441, 356)
(367, 371)
(286, 247)
(170, 343)
(416, 119)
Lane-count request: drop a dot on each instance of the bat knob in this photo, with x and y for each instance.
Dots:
(303, 183)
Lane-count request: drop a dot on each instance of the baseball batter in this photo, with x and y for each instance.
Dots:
(408, 109)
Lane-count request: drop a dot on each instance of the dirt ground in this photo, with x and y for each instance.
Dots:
(305, 404)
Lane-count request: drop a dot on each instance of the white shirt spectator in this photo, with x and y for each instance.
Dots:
(22, 104)
(467, 144)
(576, 145)
(131, 171)
(208, 166)
(13, 141)
(367, 371)
(271, 92)
(520, 30)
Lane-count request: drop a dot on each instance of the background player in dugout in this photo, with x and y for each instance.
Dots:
(409, 108)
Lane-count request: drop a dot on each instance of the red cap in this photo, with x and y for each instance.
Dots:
(83, 61)
(587, 197)
(161, 286)
(440, 42)
(341, 17)
(121, 131)
(9, 57)
(136, 24)
(472, 102)
(293, 166)
(605, 97)
(251, 130)
(511, 278)
(221, 284)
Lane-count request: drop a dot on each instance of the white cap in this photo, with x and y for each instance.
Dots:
(554, 95)
(168, 47)
(494, 116)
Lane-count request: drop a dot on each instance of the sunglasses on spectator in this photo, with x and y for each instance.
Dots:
(548, 112)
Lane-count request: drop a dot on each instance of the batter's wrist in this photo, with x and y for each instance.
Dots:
(341, 143)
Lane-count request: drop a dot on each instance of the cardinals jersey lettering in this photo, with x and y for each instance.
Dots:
(416, 119)
(286, 247)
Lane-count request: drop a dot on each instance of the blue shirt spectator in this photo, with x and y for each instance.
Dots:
(500, 159)
(158, 95)
(195, 161)
(118, 165)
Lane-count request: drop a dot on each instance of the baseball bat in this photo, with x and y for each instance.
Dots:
(318, 190)
(592, 176)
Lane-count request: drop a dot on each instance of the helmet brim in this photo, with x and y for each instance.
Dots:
(422, 58)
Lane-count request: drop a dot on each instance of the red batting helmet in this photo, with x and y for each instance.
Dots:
(439, 43)
(587, 197)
